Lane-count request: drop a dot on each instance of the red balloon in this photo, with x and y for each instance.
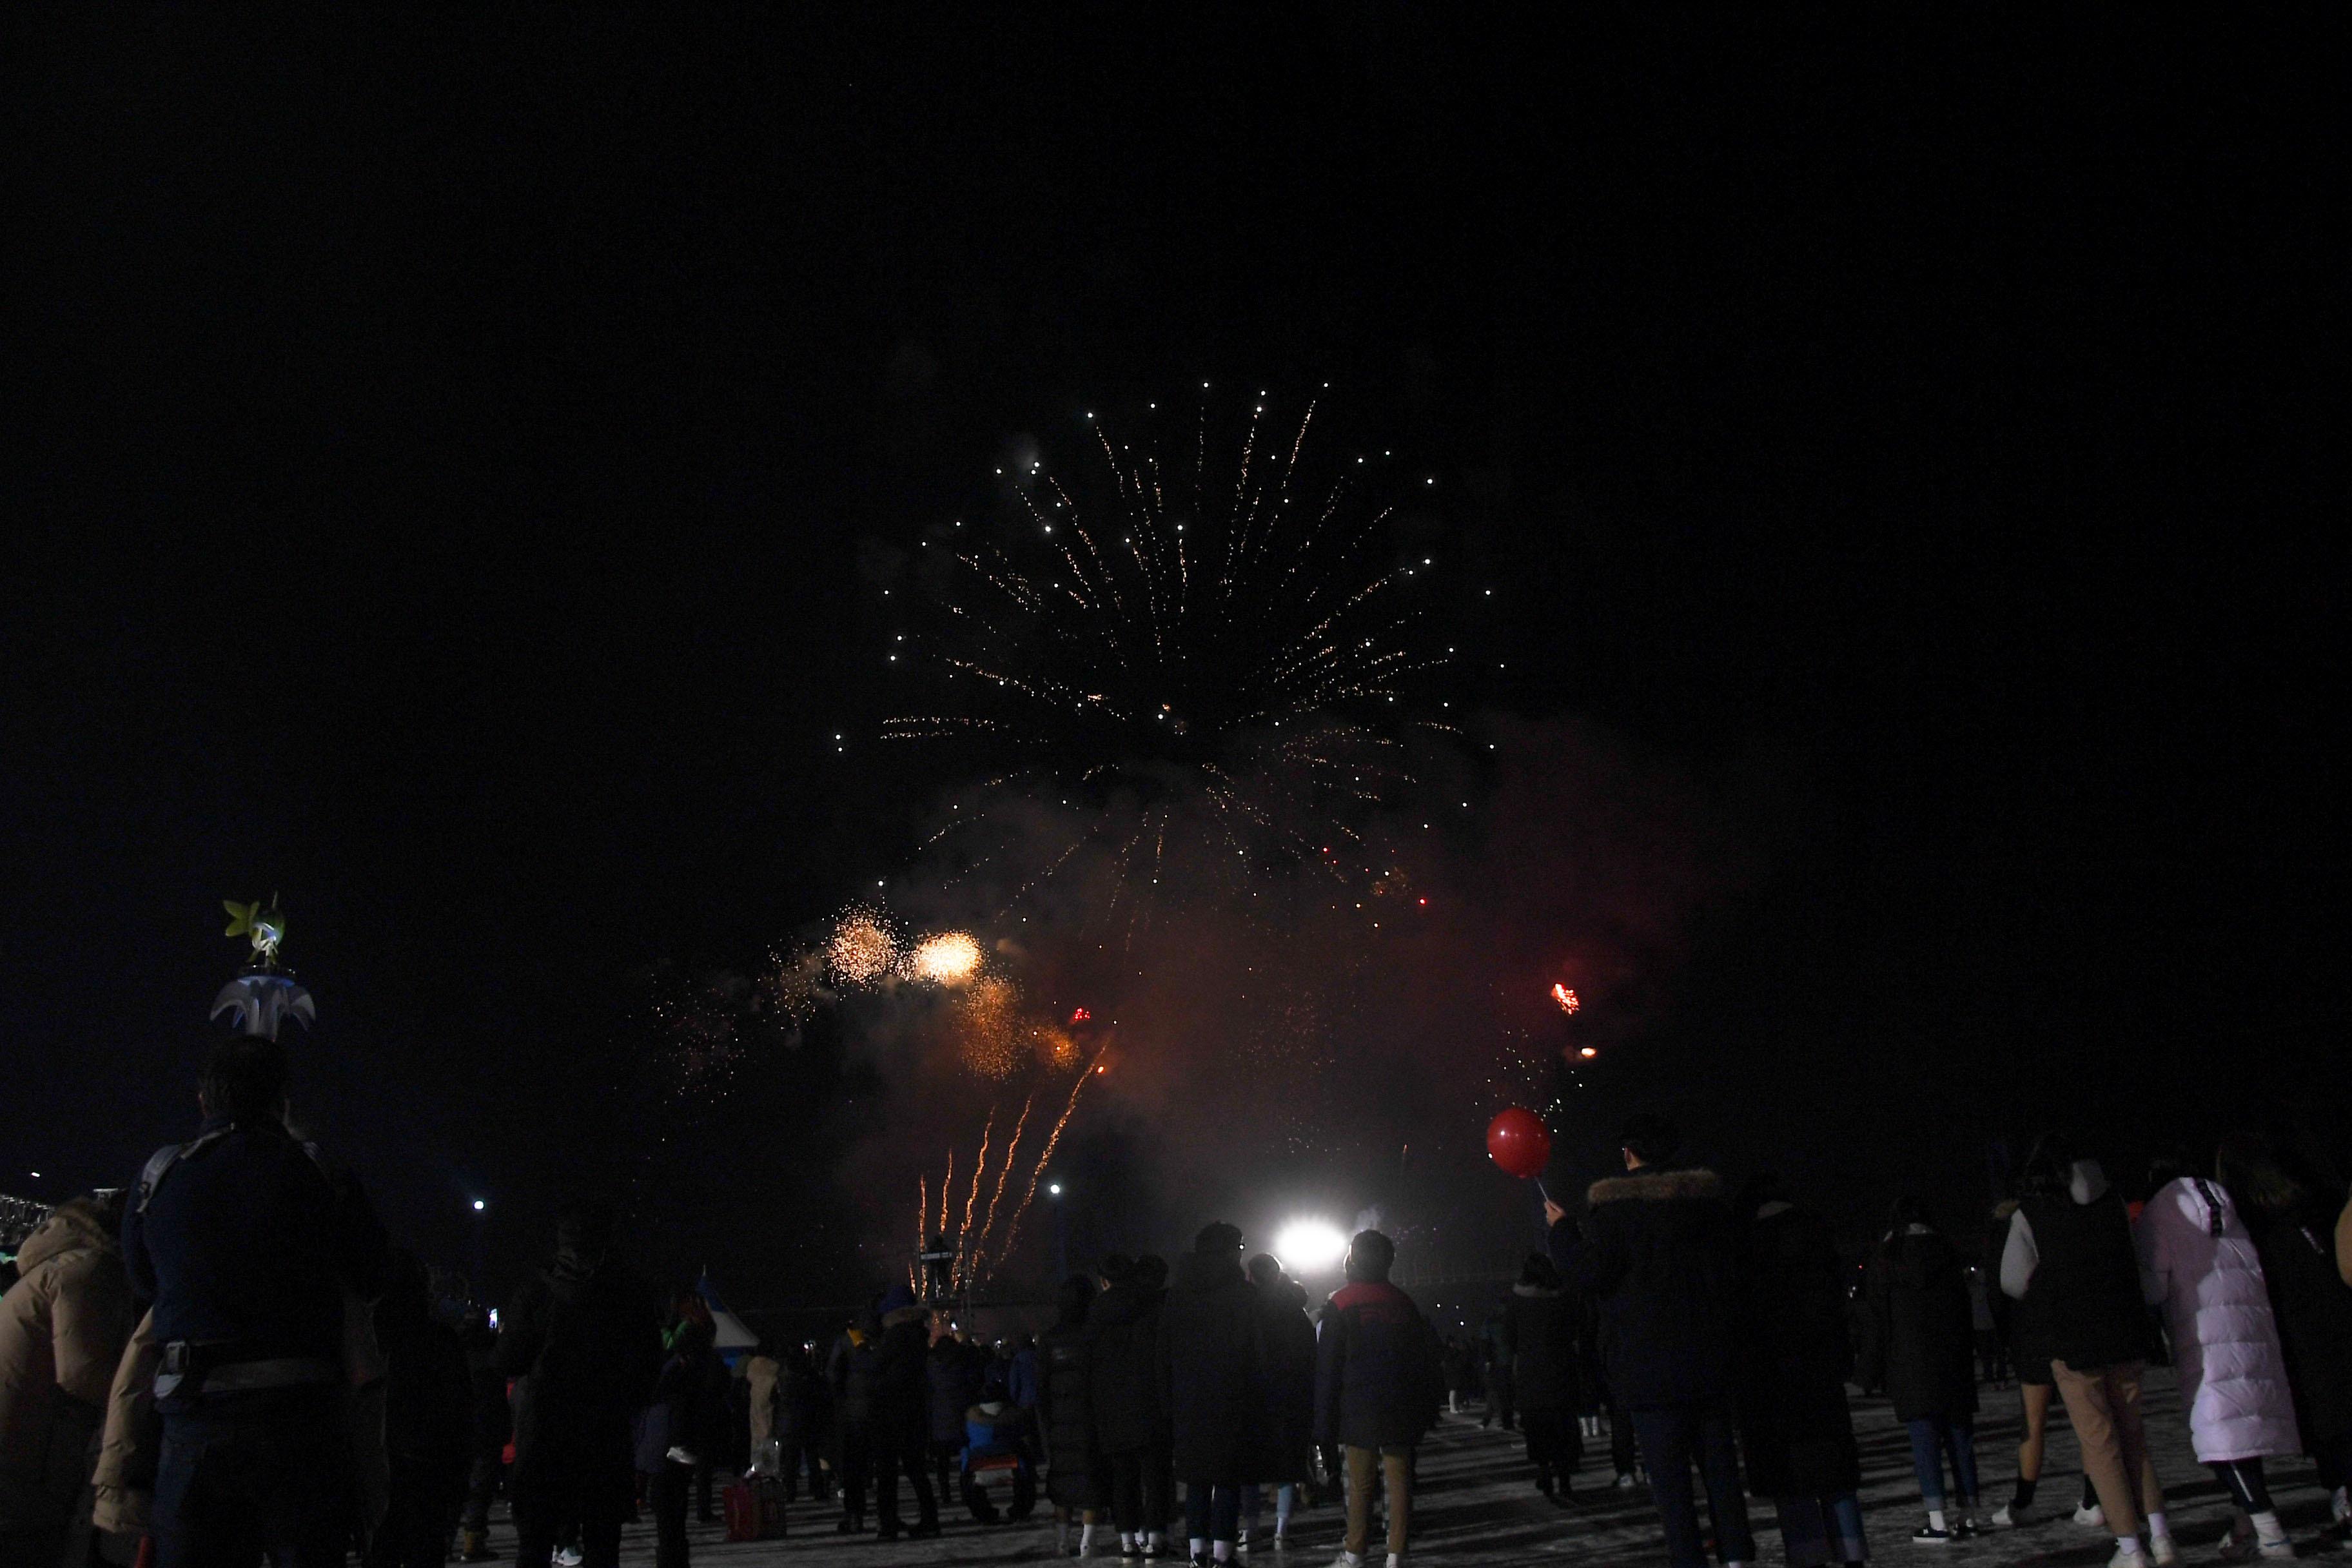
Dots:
(1519, 1142)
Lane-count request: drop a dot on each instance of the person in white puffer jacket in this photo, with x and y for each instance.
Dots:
(2199, 1263)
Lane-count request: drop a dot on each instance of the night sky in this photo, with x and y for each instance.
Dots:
(448, 459)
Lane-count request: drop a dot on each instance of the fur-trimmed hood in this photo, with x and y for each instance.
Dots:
(78, 1225)
(1694, 1183)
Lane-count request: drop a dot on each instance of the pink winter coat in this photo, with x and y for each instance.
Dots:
(2199, 1263)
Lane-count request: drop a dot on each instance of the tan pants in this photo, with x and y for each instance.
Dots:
(1396, 1473)
(2103, 1403)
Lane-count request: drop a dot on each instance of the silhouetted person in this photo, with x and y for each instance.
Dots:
(1378, 1387)
(246, 1244)
(584, 1341)
(1657, 1260)
(1211, 1381)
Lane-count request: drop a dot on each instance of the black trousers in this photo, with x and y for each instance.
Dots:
(671, 1485)
(482, 1487)
(1555, 1441)
(1501, 1403)
(854, 1467)
(420, 1504)
(1671, 1437)
(1140, 1489)
(2248, 1489)
(541, 1522)
(895, 1457)
(705, 1469)
(245, 1474)
(1623, 1456)
(800, 1456)
(582, 1486)
(1213, 1509)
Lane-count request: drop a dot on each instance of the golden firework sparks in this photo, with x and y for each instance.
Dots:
(950, 958)
(861, 949)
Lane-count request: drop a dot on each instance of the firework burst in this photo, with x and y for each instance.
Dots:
(862, 948)
(1216, 670)
(950, 958)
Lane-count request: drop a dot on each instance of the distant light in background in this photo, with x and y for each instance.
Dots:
(479, 1205)
(1310, 1246)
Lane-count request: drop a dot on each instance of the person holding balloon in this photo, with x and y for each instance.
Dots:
(1655, 1255)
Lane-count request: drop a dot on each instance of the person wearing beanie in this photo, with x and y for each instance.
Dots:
(902, 1416)
(1377, 1387)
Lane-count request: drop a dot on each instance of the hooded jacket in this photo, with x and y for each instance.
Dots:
(2198, 1261)
(124, 1481)
(1922, 1337)
(63, 1325)
(1795, 1430)
(584, 1341)
(953, 1370)
(1378, 1380)
(1286, 1437)
(1540, 1328)
(1657, 1259)
(902, 1383)
(760, 1376)
(1211, 1378)
(852, 1372)
(1064, 1405)
(1128, 1410)
(2313, 1308)
(2070, 1258)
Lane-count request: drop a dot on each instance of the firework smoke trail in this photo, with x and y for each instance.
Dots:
(972, 1199)
(1013, 1229)
(1004, 1179)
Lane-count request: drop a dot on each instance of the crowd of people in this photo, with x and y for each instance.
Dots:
(228, 1360)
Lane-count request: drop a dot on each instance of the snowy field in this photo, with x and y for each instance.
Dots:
(1479, 1506)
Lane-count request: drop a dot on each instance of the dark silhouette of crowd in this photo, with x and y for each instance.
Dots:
(227, 1360)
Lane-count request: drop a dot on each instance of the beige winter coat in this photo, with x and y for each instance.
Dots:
(62, 1327)
(134, 1437)
(759, 1374)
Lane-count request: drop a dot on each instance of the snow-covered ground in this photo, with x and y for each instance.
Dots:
(1478, 1506)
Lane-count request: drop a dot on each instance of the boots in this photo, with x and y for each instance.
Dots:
(474, 1546)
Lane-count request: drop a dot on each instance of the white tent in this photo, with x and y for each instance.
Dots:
(732, 1335)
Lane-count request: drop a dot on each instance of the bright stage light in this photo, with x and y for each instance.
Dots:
(1310, 1246)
